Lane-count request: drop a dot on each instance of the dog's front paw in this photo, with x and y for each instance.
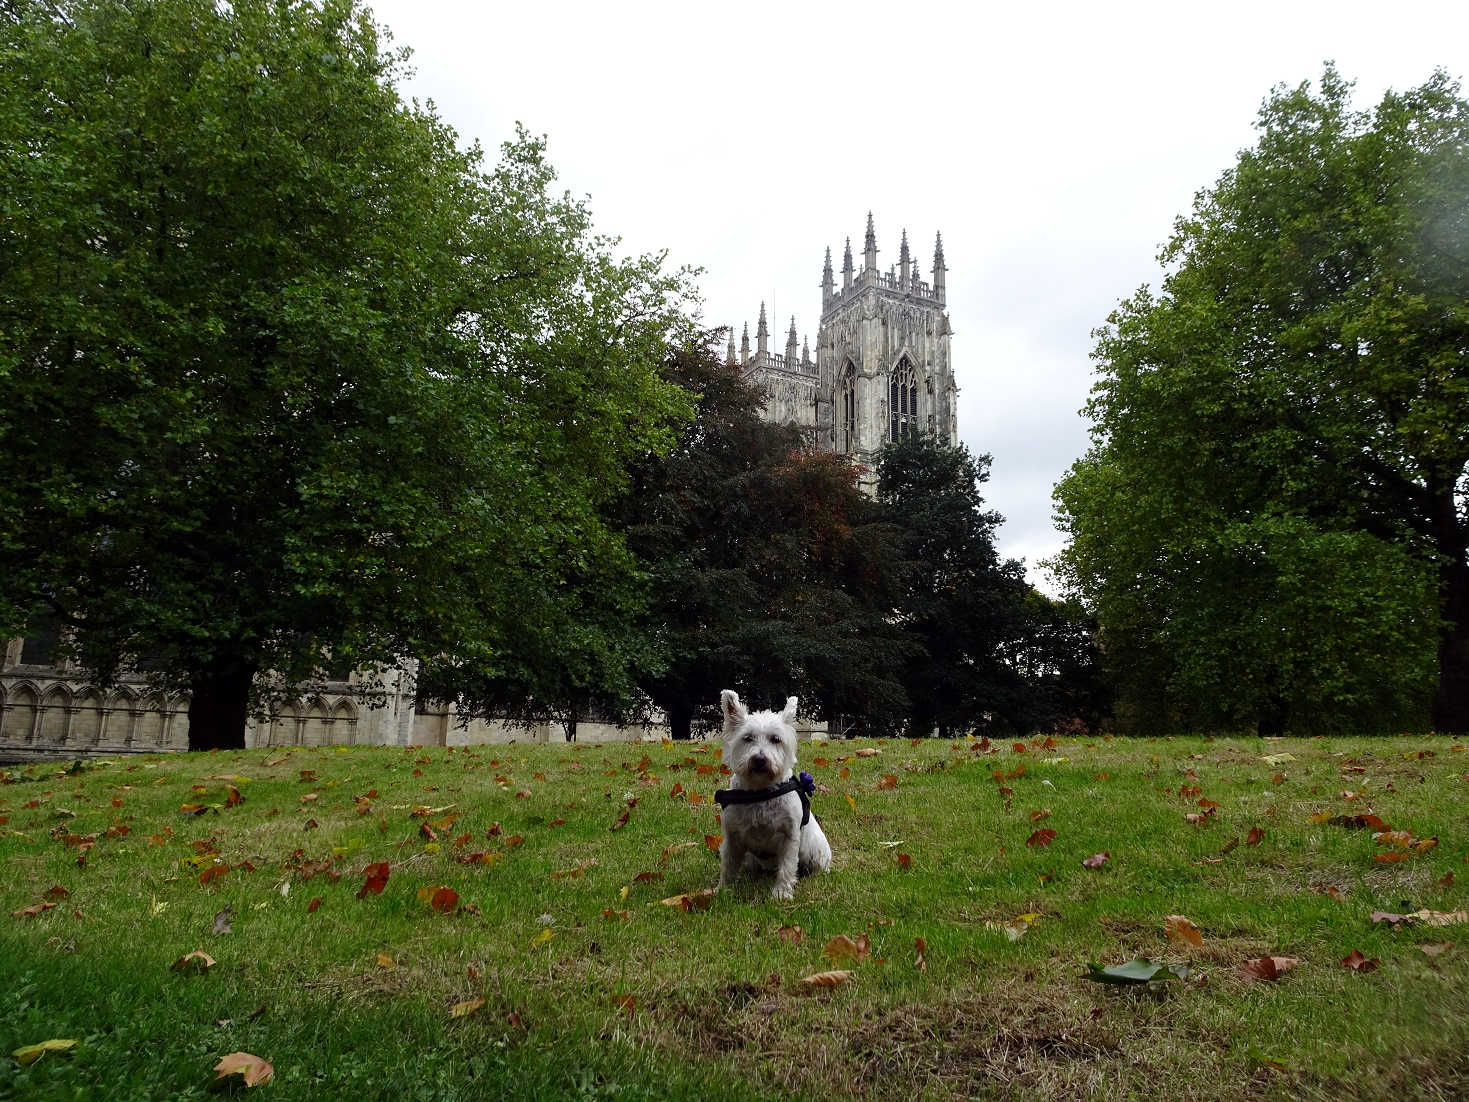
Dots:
(782, 892)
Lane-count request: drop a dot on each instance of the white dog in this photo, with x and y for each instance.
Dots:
(766, 814)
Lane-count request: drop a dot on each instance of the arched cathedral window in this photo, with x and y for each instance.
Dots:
(902, 402)
(848, 406)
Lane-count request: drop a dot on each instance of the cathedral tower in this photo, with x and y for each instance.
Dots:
(882, 355)
(882, 370)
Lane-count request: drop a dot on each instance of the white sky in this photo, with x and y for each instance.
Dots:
(1052, 144)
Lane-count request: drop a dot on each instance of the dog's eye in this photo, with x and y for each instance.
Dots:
(749, 738)
(774, 740)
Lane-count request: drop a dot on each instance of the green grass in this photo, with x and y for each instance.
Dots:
(717, 1007)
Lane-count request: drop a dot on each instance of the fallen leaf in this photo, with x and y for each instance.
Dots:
(1043, 837)
(1137, 970)
(376, 879)
(1255, 837)
(252, 1070)
(1096, 860)
(1437, 949)
(222, 921)
(1181, 931)
(826, 979)
(29, 1054)
(1267, 968)
(1358, 963)
(444, 900)
(905, 861)
(459, 1010)
(313, 905)
(889, 780)
(843, 947)
(868, 752)
(712, 841)
(385, 961)
(627, 1004)
(197, 961)
(32, 911)
(691, 901)
(920, 947)
(791, 935)
(542, 937)
(1037, 816)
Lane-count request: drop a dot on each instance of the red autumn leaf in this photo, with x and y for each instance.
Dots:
(313, 905)
(1359, 963)
(1267, 968)
(791, 935)
(627, 1004)
(118, 831)
(444, 900)
(1037, 816)
(920, 947)
(1096, 860)
(233, 797)
(213, 873)
(32, 911)
(494, 831)
(377, 879)
(889, 780)
(56, 891)
(644, 877)
(1391, 856)
(621, 821)
(904, 861)
(1278, 778)
(1255, 836)
(1043, 837)
(712, 841)
(1019, 748)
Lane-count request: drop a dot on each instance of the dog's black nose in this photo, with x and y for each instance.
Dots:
(760, 764)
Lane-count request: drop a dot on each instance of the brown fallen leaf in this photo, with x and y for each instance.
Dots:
(626, 1004)
(1043, 837)
(868, 752)
(1255, 837)
(197, 961)
(32, 911)
(791, 935)
(691, 901)
(1267, 968)
(1096, 860)
(386, 962)
(843, 947)
(1181, 931)
(1437, 949)
(459, 1010)
(920, 947)
(1356, 962)
(826, 979)
(444, 900)
(905, 861)
(252, 1070)
(376, 879)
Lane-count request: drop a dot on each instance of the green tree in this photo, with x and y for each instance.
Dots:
(1271, 522)
(768, 569)
(287, 373)
(963, 607)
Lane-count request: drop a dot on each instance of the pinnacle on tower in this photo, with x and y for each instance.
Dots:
(745, 345)
(847, 267)
(869, 248)
(730, 355)
(905, 262)
(827, 285)
(762, 336)
(938, 266)
(791, 344)
(806, 350)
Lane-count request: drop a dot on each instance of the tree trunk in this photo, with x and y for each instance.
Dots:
(219, 705)
(1451, 701)
(681, 722)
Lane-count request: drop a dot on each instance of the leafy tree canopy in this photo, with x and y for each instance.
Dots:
(288, 373)
(1271, 522)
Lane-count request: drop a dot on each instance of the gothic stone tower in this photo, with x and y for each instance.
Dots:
(882, 356)
(882, 369)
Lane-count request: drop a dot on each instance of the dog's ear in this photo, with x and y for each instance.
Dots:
(789, 715)
(734, 711)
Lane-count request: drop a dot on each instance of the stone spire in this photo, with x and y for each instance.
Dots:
(827, 283)
(791, 344)
(938, 267)
(905, 263)
(869, 248)
(847, 267)
(806, 351)
(730, 355)
(745, 345)
(762, 337)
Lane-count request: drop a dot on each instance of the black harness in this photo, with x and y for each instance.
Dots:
(803, 786)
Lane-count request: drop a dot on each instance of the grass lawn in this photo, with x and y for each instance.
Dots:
(558, 860)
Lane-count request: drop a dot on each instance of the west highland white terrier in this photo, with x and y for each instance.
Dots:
(766, 815)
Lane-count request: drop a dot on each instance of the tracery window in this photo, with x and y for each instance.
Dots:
(848, 405)
(902, 402)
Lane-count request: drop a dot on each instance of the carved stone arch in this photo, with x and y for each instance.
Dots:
(344, 719)
(55, 722)
(151, 713)
(902, 397)
(86, 721)
(316, 730)
(846, 405)
(284, 728)
(18, 721)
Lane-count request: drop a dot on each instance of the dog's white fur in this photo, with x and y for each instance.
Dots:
(760, 750)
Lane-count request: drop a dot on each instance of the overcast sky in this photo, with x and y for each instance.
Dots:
(1052, 144)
